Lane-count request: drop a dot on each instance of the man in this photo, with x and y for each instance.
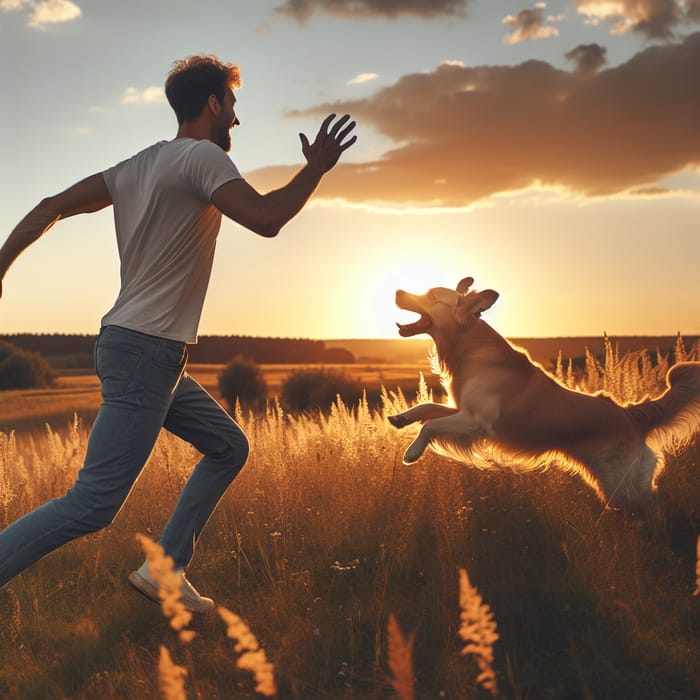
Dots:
(168, 201)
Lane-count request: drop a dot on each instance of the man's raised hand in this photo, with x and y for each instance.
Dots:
(325, 151)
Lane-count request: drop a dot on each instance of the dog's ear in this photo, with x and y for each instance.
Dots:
(463, 286)
(471, 305)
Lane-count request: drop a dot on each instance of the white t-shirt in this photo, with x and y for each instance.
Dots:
(166, 234)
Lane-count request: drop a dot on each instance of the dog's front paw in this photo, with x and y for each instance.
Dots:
(398, 421)
(413, 454)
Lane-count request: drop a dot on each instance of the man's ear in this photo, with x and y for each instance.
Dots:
(214, 105)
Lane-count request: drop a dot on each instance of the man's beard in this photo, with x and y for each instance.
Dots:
(222, 136)
(223, 140)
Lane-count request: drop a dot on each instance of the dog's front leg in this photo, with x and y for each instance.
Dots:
(422, 412)
(456, 428)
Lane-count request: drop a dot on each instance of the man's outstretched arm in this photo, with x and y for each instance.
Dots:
(266, 214)
(88, 195)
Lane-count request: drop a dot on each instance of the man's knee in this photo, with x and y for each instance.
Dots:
(233, 451)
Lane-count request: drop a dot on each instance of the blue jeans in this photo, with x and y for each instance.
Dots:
(144, 388)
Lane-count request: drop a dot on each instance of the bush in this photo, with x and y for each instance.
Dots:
(20, 369)
(243, 381)
(338, 356)
(317, 389)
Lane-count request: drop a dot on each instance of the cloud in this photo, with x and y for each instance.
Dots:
(53, 12)
(463, 134)
(13, 5)
(302, 10)
(530, 24)
(587, 57)
(363, 78)
(655, 19)
(44, 12)
(150, 95)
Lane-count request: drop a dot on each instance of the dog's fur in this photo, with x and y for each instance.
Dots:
(507, 408)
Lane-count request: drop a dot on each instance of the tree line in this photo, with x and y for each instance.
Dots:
(210, 349)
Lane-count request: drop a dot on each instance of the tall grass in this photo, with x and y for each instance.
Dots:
(325, 535)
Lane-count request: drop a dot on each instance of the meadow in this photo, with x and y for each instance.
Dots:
(326, 537)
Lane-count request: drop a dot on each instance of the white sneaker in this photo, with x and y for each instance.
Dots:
(142, 582)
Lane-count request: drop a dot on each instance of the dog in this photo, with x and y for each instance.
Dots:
(507, 410)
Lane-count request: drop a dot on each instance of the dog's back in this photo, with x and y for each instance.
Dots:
(675, 415)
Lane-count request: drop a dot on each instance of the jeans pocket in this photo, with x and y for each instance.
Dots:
(116, 365)
(171, 355)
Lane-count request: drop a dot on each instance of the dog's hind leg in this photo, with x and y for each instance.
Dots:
(626, 478)
(422, 412)
(456, 428)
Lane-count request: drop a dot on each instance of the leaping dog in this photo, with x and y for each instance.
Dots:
(506, 406)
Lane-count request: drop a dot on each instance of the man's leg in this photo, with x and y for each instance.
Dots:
(196, 417)
(139, 375)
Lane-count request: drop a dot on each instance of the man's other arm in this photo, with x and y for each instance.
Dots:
(265, 214)
(88, 195)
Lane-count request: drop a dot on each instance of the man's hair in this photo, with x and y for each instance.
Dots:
(192, 80)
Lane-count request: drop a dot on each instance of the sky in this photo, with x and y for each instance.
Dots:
(549, 150)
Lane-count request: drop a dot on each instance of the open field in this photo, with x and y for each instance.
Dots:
(78, 391)
(323, 536)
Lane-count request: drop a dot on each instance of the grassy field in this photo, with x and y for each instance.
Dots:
(78, 391)
(325, 535)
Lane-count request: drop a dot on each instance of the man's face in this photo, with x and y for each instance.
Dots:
(225, 121)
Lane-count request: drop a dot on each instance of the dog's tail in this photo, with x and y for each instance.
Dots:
(676, 413)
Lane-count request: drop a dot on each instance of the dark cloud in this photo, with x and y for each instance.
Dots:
(464, 133)
(529, 24)
(650, 191)
(693, 10)
(656, 19)
(588, 57)
(304, 9)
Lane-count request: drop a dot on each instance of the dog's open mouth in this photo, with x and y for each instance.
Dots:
(422, 325)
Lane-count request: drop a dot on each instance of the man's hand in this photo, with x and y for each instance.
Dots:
(324, 152)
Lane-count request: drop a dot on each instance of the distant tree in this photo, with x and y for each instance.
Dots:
(20, 369)
(243, 381)
(338, 356)
(316, 389)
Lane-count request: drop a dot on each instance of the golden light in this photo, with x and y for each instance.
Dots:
(403, 272)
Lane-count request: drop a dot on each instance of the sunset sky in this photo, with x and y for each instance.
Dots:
(549, 150)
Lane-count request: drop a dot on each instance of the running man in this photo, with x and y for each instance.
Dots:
(168, 200)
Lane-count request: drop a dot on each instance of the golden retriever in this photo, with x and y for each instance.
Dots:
(508, 410)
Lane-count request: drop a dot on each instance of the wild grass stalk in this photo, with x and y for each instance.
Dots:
(479, 632)
(251, 657)
(400, 650)
(171, 677)
(162, 571)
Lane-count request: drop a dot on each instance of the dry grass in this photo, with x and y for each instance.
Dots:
(324, 536)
